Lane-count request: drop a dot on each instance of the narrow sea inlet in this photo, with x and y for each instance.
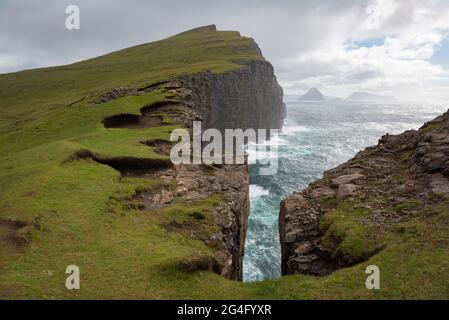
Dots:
(315, 137)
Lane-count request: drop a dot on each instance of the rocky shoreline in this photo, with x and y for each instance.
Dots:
(404, 176)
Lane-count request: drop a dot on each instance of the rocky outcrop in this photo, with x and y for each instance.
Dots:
(246, 97)
(195, 182)
(120, 92)
(191, 184)
(398, 179)
(299, 236)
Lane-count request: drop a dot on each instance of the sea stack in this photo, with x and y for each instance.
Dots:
(312, 95)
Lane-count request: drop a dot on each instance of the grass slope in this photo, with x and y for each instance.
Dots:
(82, 212)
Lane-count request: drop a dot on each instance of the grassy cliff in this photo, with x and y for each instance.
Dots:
(61, 206)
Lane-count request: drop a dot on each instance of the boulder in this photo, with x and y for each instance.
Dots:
(346, 179)
(291, 236)
(439, 184)
(435, 161)
(324, 192)
(346, 190)
(166, 196)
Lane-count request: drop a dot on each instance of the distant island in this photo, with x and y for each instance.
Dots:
(365, 96)
(312, 95)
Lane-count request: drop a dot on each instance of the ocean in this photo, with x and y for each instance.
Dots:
(315, 137)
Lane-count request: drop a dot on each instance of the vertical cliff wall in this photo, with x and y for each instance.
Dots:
(230, 216)
(247, 97)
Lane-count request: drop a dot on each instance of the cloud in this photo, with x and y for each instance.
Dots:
(400, 65)
(340, 46)
(378, 12)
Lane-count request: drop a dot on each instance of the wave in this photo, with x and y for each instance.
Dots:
(289, 129)
(256, 191)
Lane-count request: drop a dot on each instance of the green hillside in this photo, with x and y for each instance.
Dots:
(58, 210)
(59, 205)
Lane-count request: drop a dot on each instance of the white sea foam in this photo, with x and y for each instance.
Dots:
(266, 150)
(256, 191)
(261, 155)
(276, 139)
(294, 129)
(385, 127)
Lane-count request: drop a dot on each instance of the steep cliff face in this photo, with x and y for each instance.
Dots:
(230, 217)
(247, 97)
(358, 208)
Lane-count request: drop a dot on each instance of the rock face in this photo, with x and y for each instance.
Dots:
(299, 236)
(193, 183)
(397, 179)
(247, 97)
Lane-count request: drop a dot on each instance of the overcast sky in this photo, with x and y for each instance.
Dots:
(393, 47)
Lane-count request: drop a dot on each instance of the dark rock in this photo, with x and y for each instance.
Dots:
(346, 190)
(324, 192)
(439, 184)
(249, 97)
(346, 179)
